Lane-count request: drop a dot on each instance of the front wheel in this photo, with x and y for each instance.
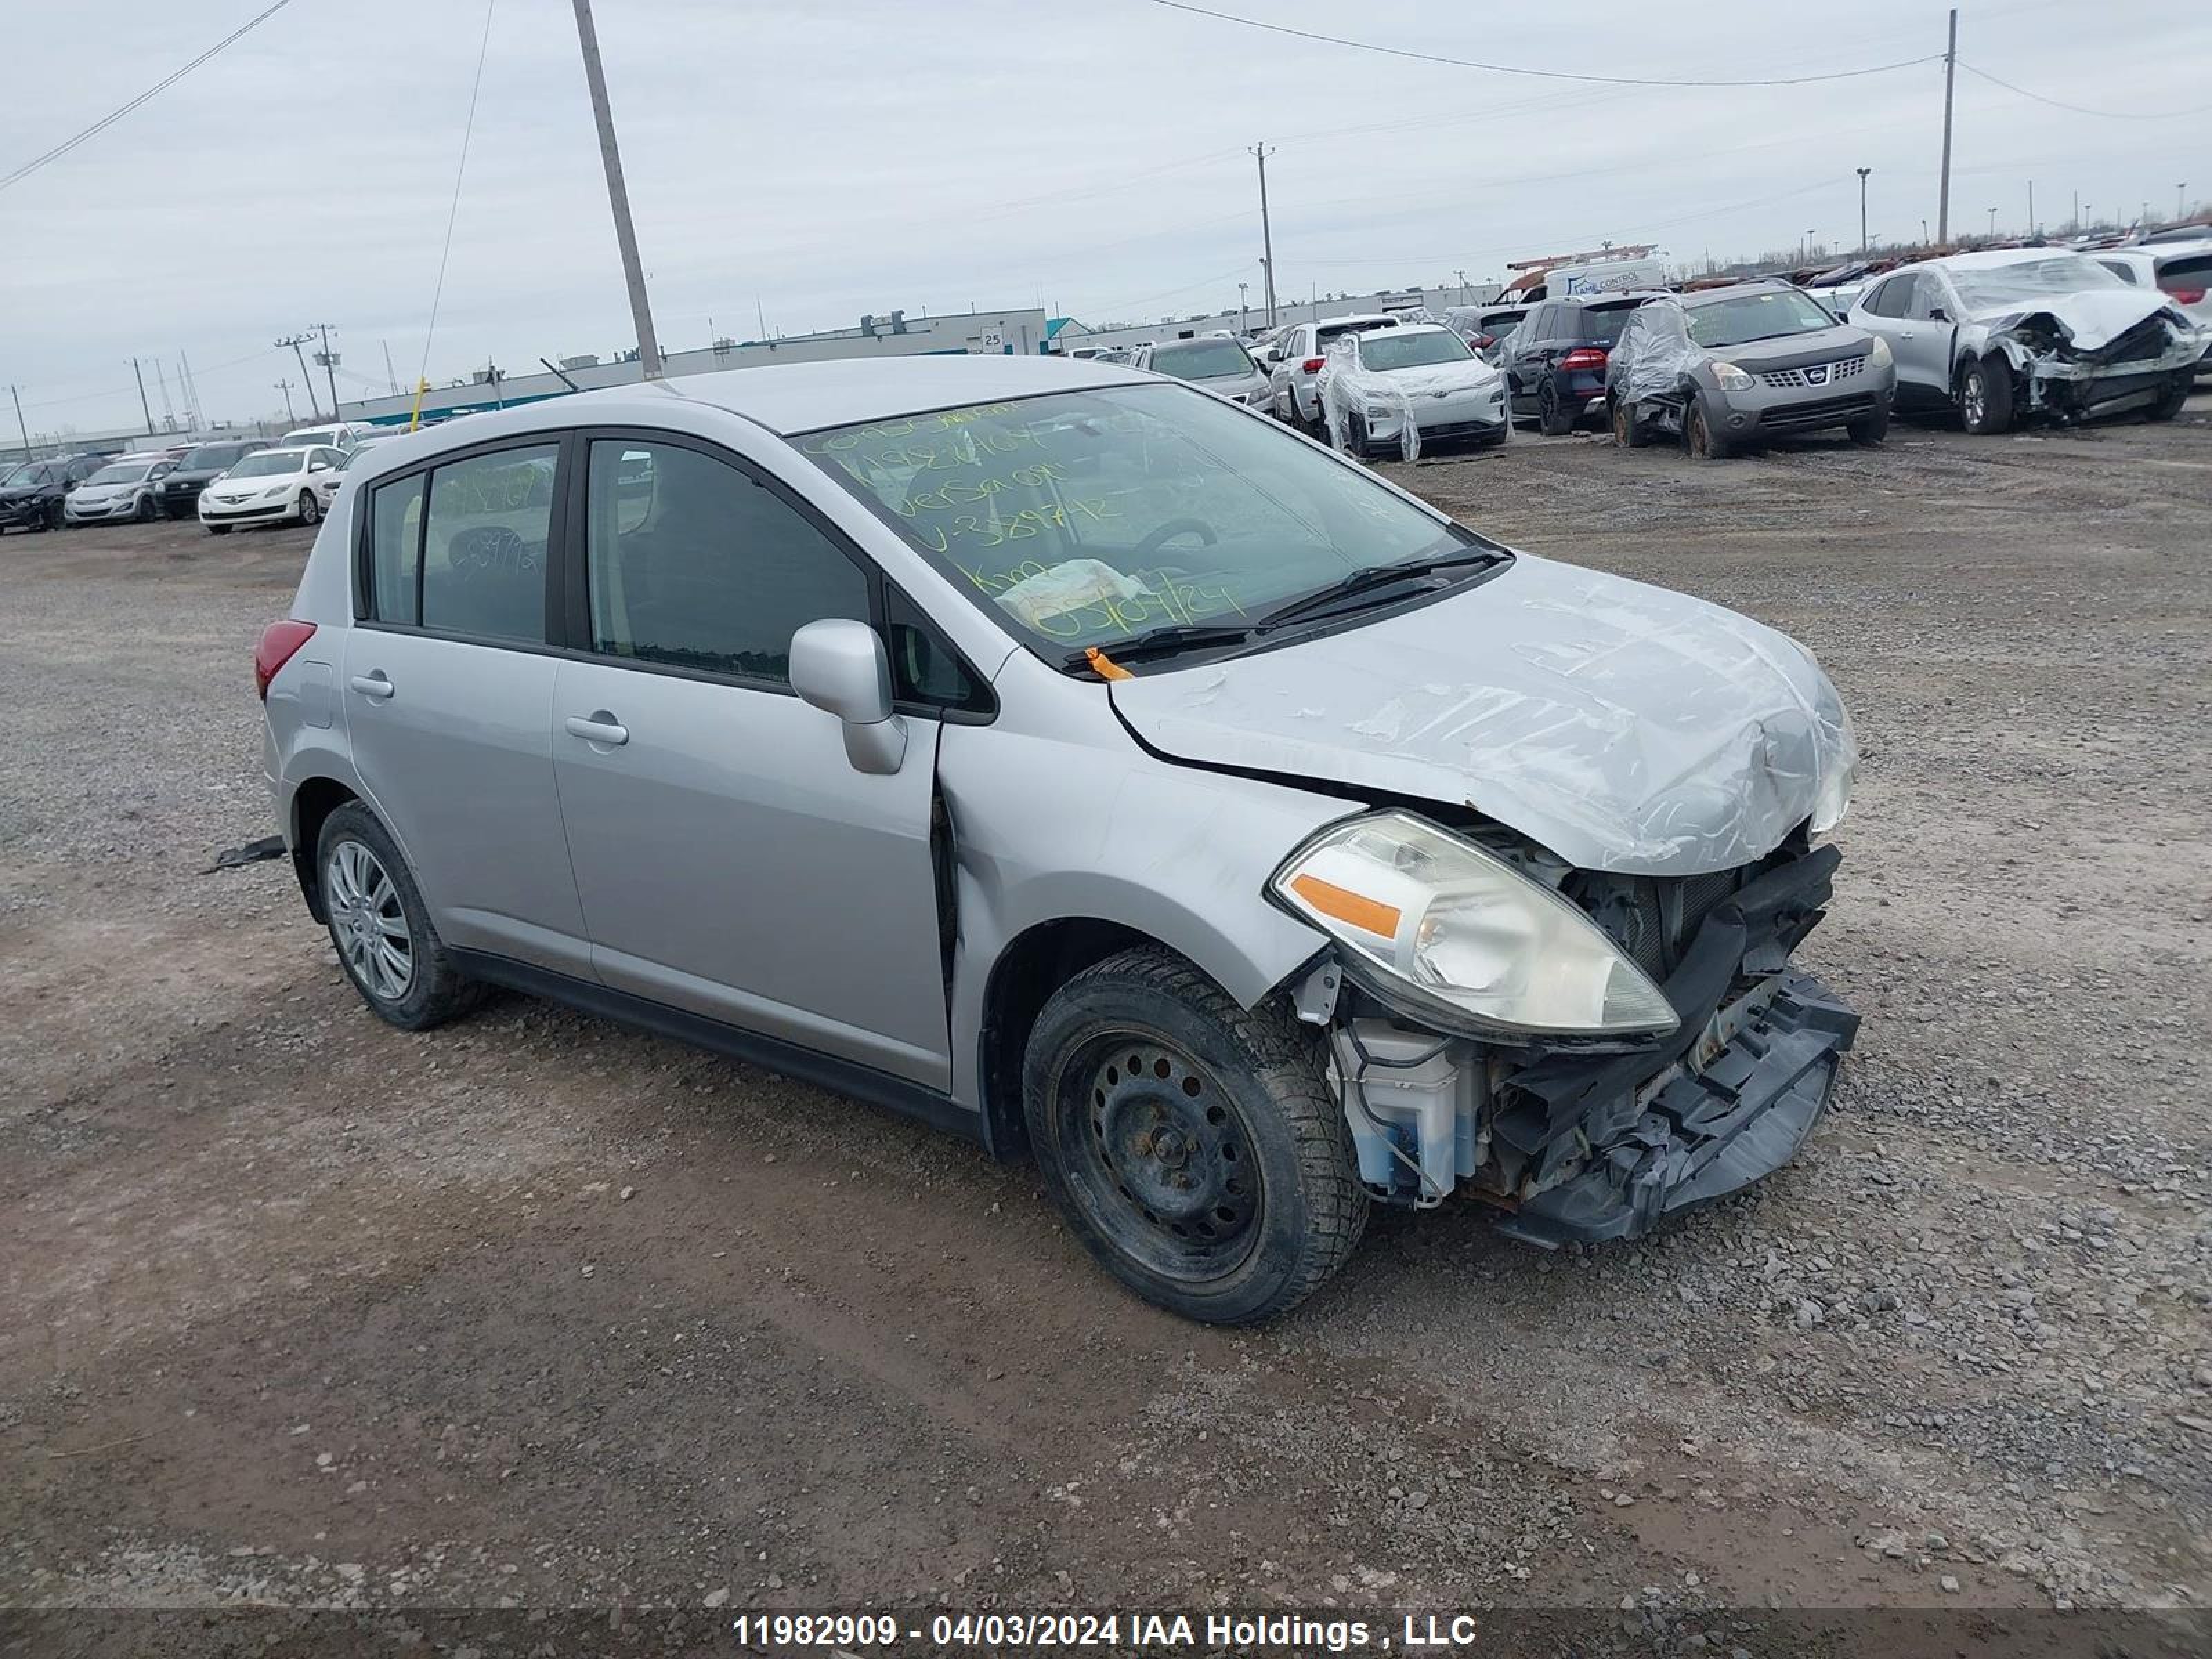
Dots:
(216, 529)
(2171, 400)
(1698, 434)
(148, 509)
(1986, 397)
(1628, 430)
(1196, 1148)
(382, 927)
(311, 511)
(1871, 429)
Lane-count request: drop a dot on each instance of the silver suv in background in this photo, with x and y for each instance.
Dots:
(1088, 765)
(2010, 334)
(1728, 367)
(1214, 361)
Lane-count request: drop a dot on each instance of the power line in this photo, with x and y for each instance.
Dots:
(160, 85)
(2108, 114)
(1540, 74)
(452, 211)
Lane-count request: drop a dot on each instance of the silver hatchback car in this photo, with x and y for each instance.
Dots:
(1088, 765)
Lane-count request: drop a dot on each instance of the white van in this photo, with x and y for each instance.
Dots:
(1604, 277)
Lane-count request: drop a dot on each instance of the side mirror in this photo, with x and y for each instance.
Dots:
(1937, 314)
(839, 666)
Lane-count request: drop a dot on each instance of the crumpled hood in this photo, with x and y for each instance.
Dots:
(1624, 726)
(2093, 319)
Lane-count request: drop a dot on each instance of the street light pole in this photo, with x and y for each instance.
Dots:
(1862, 235)
(1266, 231)
(1993, 224)
(2178, 207)
(1243, 310)
(648, 347)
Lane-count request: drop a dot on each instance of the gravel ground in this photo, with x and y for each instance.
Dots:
(294, 1308)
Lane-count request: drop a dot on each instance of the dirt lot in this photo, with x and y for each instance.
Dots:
(293, 1307)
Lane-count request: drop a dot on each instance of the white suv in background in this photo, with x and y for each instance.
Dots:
(1296, 362)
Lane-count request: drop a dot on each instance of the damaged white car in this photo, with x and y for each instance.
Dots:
(1399, 389)
(2013, 334)
(1081, 762)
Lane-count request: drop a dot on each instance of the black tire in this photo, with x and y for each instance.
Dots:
(1553, 420)
(311, 510)
(2171, 400)
(218, 530)
(1213, 1175)
(1628, 430)
(1355, 436)
(148, 509)
(55, 516)
(1871, 429)
(1985, 397)
(1699, 441)
(435, 990)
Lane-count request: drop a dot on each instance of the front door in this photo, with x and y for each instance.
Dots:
(731, 861)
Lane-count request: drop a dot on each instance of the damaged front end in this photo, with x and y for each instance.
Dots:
(1589, 1139)
(2068, 373)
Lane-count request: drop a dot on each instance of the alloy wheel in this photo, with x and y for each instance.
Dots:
(369, 921)
(1973, 399)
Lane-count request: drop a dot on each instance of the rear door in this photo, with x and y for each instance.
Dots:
(1923, 343)
(731, 861)
(1524, 357)
(448, 695)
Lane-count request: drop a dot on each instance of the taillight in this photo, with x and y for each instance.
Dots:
(280, 640)
(1583, 357)
(2186, 296)
(1482, 341)
(1312, 365)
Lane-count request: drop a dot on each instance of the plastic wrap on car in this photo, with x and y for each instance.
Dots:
(1346, 385)
(1654, 354)
(1624, 727)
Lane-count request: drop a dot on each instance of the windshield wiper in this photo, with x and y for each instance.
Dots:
(1166, 641)
(1370, 578)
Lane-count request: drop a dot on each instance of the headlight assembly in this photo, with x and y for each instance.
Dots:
(1731, 377)
(1438, 925)
(1879, 355)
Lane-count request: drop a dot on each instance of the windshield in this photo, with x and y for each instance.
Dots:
(1749, 317)
(24, 472)
(1398, 350)
(1201, 360)
(2029, 281)
(1086, 518)
(210, 458)
(319, 434)
(269, 464)
(121, 472)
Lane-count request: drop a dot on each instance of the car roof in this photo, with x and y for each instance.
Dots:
(1356, 319)
(1734, 291)
(1411, 328)
(290, 449)
(1994, 259)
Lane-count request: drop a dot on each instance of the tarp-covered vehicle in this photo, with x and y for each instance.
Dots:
(2013, 333)
(1397, 389)
(1728, 367)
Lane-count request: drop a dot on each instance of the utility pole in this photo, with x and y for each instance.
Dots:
(20, 426)
(142, 397)
(1462, 274)
(1862, 235)
(648, 347)
(168, 409)
(2178, 208)
(1267, 232)
(2031, 207)
(1950, 78)
(328, 360)
(296, 341)
(285, 386)
(192, 391)
(390, 375)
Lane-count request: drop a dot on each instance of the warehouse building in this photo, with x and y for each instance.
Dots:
(895, 335)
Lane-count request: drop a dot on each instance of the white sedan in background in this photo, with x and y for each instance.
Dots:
(1378, 381)
(272, 486)
(126, 488)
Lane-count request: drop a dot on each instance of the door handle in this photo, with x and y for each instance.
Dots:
(1904, 334)
(372, 685)
(602, 727)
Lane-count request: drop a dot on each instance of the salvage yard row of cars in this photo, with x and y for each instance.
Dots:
(1997, 337)
(224, 483)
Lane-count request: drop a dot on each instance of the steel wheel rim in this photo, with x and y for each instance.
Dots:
(1700, 440)
(369, 921)
(1159, 1154)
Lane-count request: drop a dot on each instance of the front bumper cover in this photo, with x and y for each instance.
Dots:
(1740, 1081)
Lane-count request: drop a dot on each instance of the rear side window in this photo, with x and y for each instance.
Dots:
(691, 562)
(483, 545)
(395, 533)
(1891, 298)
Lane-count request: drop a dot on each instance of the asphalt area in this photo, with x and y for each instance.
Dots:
(296, 1308)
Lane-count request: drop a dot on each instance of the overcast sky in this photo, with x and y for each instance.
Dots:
(816, 162)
